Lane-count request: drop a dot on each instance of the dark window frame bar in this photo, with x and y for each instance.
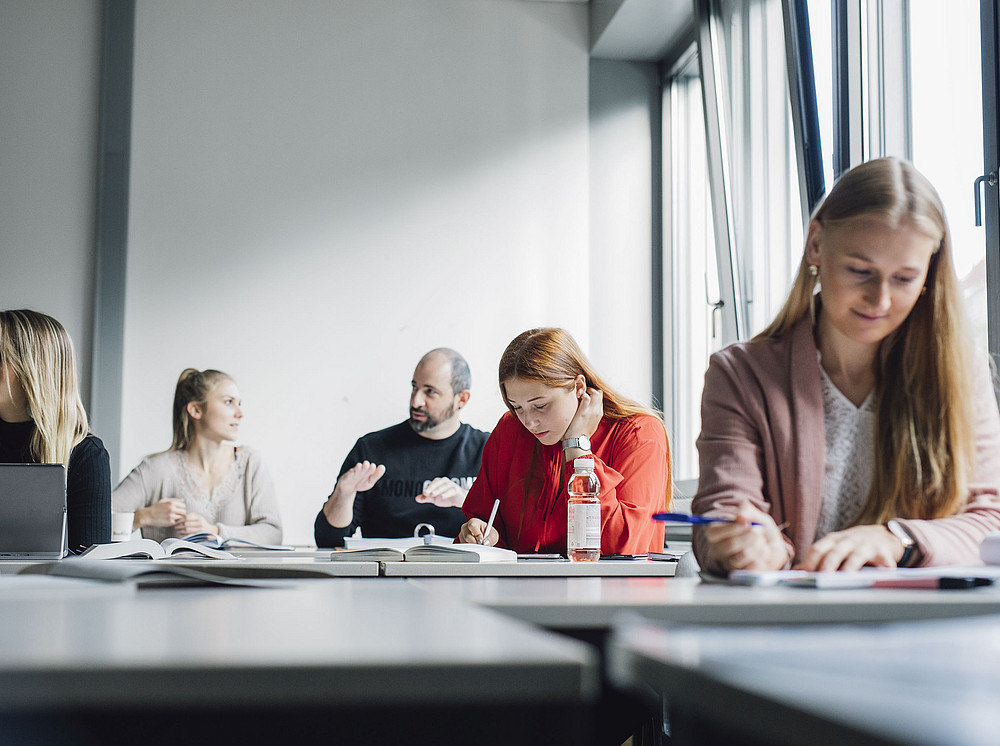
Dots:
(805, 109)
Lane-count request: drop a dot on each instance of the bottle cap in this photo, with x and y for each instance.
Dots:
(583, 463)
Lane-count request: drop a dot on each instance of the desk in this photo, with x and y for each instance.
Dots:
(250, 558)
(251, 566)
(271, 566)
(530, 569)
(373, 660)
(908, 683)
(595, 603)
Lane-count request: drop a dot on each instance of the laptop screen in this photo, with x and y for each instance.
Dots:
(32, 511)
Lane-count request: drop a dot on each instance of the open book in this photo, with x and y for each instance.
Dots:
(404, 542)
(217, 542)
(428, 553)
(149, 549)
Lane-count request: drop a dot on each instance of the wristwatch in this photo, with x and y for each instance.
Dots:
(583, 443)
(909, 545)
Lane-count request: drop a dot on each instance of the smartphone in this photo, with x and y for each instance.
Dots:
(540, 557)
(623, 556)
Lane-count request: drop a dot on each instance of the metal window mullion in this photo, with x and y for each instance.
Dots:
(658, 295)
(991, 164)
(710, 63)
(758, 196)
(848, 86)
(875, 79)
(669, 249)
(890, 132)
(804, 106)
(745, 158)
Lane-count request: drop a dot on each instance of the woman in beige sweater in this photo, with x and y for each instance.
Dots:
(205, 482)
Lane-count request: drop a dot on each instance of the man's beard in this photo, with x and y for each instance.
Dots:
(430, 422)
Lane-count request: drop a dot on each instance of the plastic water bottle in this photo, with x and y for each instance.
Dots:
(583, 523)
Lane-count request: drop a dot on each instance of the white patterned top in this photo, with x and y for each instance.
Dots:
(850, 457)
(243, 504)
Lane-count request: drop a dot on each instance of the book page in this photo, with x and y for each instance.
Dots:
(372, 554)
(217, 542)
(459, 553)
(402, 544)
(178, 547)
(143, 548)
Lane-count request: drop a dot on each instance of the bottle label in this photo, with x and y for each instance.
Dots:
(583, 526)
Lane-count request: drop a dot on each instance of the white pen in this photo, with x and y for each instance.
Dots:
(489, 523)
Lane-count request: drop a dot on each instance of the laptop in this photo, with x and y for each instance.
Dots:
(32, 511)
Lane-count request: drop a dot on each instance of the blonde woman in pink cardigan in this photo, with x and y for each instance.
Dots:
(859, 428)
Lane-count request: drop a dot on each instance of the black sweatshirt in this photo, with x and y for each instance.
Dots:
(388, 509)
(88, 482)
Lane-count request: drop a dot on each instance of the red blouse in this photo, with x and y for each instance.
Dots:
(630, 459)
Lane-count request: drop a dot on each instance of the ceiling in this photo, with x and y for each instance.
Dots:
(647, 30)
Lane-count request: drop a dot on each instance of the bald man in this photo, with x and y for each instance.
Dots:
(418, 471)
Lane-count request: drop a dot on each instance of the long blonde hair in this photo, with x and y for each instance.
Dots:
(40, 353)
(925, 423)
(192, 386)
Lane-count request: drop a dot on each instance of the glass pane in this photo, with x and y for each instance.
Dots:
(766, 210)
(821, 36)
(947, 126)
(693, 265)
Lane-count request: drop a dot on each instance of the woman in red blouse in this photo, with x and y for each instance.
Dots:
(560, 409)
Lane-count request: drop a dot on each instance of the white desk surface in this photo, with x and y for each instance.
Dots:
(596, 602)
(369, 641)
(927, 682)
(270, 565)
(298, 551)
(530, 569)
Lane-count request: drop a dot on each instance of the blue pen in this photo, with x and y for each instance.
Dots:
(699, 519)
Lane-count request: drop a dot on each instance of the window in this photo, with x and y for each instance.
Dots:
(733, 214)
(687, 214)
(909, 84)
(946, 118)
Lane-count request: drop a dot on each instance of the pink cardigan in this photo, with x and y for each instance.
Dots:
(763, 441)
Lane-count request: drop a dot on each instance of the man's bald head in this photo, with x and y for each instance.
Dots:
(439, 390)
(461, 376)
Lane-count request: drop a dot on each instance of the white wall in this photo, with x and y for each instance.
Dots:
(49, 62)
(621, 223)
(322, 190)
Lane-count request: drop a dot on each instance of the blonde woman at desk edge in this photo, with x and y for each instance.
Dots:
(42, 420)
(205, 482)
(858, 428)
(561, 409)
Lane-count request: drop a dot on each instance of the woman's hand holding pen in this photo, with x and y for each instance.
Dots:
(740, 545)
(853, 548)
(472, 532)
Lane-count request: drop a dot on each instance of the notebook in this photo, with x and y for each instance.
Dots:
(32, 511)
